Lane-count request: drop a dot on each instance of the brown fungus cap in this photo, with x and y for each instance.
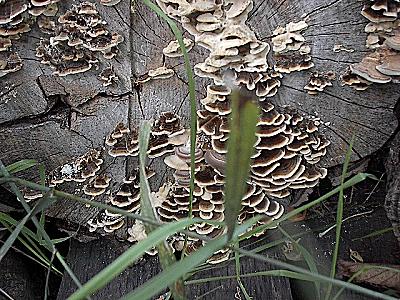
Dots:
(319, 81)
(9, 63)
(80, 35)
(367, 69)
(108, 76)
(79, 169)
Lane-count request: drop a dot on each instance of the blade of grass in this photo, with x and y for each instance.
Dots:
(159, 282)
(21, 165)
(35, 221)
(277, 273)
(349, 183)
(305, 274)
(165, 254)
(239, 281)
(339, 217)
(42, 204)
(307, 257)
(5, 294)
(192, 94)
(44, 265)
(375, 233)
(42, 221)
(46, 287)
(359, 272)
(128, 257)
(240, 149)
(182, 267)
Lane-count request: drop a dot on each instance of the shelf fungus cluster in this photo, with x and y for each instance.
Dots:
(288, 150)
(16, 18)
(382, 65)
(127, 197)
(166, 133)
(78, 170)
(291, 52)
(289, 146)
(319, 81)
(80, 38)
(384, 24)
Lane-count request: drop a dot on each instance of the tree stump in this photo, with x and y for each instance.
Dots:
(52, 119)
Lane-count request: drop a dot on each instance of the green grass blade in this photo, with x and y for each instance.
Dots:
(42, 204)
(308, 274)
(240, 149)
(46, 287)
(239, 281)
(128, 257)
(49, 244)
(362, 270)
(276, 273)
(307, 257)
(339, 217)
(158, 283)
(192, 92)
(349, 183)
(21, 165)
(42, 220)
(375, 233)
(165, 254)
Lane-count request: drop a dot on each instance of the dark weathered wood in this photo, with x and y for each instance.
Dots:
(87, 259)
(19, 281)
(392, 201)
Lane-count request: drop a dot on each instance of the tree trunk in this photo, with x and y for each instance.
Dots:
(52, 119)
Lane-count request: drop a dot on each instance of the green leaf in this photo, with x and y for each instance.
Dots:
(129, 257)
(165, 254)
(240, 149)
(279, 273)
(21, 165)
(49, 244)
(158, 283)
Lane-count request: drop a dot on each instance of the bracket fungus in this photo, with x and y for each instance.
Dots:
(108, 76)
(77, 170)
(383, 21)
(318, 81)
(127, 197)
(173, 49)
(382, 65)
(291, 52)
(9, 63)
(17, 18)
(158, 73)
(289, 146)
(80, 35)
(123, 141)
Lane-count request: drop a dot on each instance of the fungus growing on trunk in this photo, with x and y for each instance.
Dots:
(80, 36)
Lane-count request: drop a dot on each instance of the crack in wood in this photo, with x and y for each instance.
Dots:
(363, 125)
(334, 60)
(339, 98)
(150, 28)
(320, 9)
